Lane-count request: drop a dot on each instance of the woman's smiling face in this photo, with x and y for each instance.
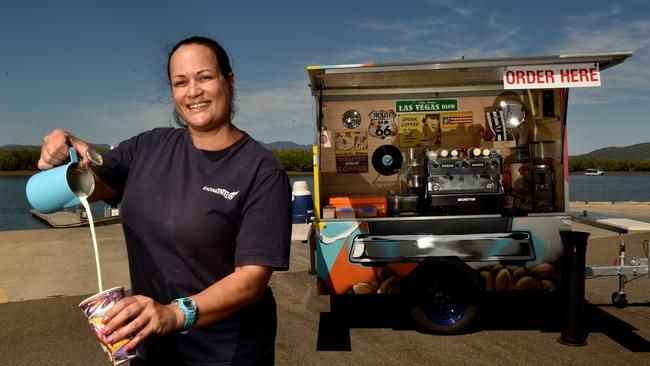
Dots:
(202, 94)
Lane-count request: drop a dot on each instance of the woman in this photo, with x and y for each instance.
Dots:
(206, 212)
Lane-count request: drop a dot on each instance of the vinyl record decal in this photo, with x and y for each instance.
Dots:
(387, 160)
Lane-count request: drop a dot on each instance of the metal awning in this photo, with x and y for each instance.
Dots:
(440, 74)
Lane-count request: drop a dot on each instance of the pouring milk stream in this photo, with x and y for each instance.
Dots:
(84, 202)
(65, 186)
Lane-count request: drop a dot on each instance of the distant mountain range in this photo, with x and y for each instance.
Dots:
(632, 152)
(35, 147)
(285, 145)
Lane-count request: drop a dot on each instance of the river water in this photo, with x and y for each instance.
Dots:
(14, 208)
(612, 187)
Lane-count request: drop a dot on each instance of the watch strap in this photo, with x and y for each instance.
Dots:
(188, 307)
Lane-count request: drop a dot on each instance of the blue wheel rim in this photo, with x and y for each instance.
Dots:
(444, 308)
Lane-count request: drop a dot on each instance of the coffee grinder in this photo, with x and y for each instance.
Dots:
(542, 176)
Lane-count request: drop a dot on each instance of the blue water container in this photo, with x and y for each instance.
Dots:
(302, 203)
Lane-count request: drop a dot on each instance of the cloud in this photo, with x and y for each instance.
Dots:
(606, 37)
(504, 34)
(280, 112)
(454, 6)
(421, 40)
(606, 31)
(111, 123)
(594, 17)
(406, 31)
(372, 53)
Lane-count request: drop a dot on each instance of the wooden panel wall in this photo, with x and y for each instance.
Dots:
(333, 184)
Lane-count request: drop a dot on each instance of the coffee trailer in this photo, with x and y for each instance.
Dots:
(440, 180)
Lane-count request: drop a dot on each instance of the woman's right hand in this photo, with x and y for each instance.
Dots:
(55, 149)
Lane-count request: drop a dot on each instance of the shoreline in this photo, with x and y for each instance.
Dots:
(635, 210)
(17, 173)
(623, 172)
(27, 173)
(294, 174)
(604, 203)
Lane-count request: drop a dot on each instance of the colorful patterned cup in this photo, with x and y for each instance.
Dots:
(94, 308)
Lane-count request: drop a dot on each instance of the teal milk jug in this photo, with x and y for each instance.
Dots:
(53, 189)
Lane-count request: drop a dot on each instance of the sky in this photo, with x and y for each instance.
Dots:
(98, 68)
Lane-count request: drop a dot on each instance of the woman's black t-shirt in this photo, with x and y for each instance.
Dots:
(190, 217)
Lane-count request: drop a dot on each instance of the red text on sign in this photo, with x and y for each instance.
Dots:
(578, 75)
(545, 76)
(530, 77)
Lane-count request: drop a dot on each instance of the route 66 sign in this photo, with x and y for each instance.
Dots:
(382, 124)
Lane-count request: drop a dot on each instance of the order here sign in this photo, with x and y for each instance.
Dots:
(551, 76)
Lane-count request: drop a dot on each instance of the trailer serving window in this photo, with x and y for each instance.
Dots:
(468, 136)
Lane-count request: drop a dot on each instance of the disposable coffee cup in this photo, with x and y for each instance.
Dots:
(94, 308)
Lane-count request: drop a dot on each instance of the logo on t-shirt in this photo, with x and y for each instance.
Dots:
(222, 192)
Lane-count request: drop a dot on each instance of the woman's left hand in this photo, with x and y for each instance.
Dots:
(139, 316)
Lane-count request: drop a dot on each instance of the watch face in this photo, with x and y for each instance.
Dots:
(189, 303)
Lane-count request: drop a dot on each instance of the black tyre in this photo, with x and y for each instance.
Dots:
(444, 307)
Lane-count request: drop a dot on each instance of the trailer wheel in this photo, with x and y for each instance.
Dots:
(444, 307)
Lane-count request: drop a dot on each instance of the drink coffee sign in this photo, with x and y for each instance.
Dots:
(420, 106)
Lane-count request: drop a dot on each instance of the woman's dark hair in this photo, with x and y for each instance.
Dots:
(219, 52)
(222, 60)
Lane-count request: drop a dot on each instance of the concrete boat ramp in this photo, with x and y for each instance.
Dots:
(620, 217)
(66, 219)
(45, 273)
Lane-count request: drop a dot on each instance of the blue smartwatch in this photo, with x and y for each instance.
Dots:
(188, 307)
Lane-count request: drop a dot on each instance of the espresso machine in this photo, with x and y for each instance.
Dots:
(470, 181)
